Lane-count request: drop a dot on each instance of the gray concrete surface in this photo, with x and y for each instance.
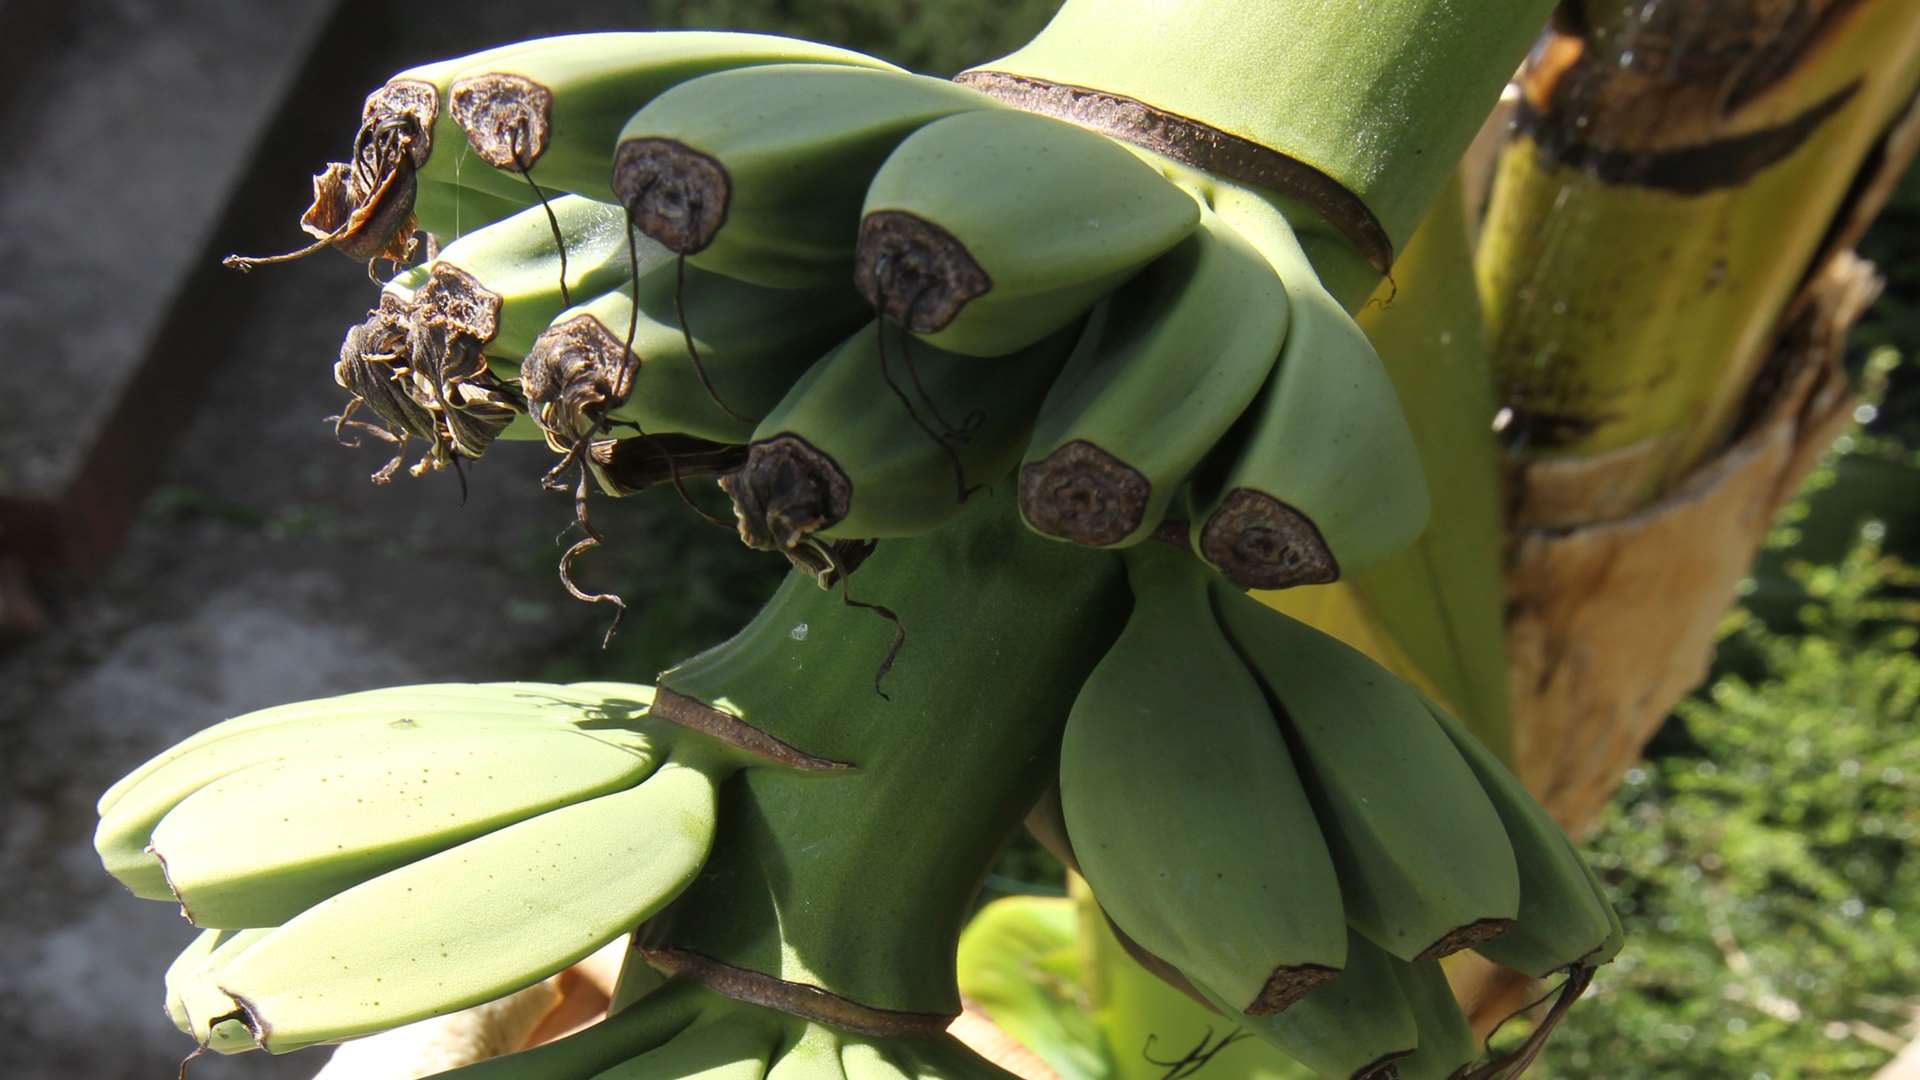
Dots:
(265, 568)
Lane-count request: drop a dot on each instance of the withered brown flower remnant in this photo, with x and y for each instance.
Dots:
(363, 208)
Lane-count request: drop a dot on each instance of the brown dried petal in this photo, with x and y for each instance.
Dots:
(574, 371)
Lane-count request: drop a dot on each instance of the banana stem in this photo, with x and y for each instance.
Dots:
(1357, 108)
(840, 894)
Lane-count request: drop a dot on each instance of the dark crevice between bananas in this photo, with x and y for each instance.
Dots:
(796, 998)
(632, 465)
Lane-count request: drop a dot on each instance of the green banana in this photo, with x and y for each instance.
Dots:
(1189, 343)
(471, 922)
(753, 342)
(759, 173)
(730, 1047)
(901, 469)
(1424, 863)
(449, 211)
(986, 231)
(377, 721)
(1326, 475)
(230, 865)
(421, 361)
(554, 105)
(1359, 1026)
(1184, 808)
(499, 287)
(208, 947)
(1563, 919)
(1446, 1042)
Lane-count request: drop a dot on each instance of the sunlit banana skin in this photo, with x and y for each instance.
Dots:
(516, 263)
(986, 231)
(1424, 863)
(555, 105)
(935, 427)
(1185, 347)
(759, 173)
(400, 901)
(408, 802)
(373, 721)
(1184, 807)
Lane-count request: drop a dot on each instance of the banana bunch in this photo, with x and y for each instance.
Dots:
(861, 298)
(1301, 837)
(369, 860)
(894, 290)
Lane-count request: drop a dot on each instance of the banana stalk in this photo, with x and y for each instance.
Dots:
(860, 930)
(1351, 111)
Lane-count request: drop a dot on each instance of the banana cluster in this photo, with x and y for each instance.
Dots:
(888, 291)
(1301, 837)
(365, 861)
(859, 297)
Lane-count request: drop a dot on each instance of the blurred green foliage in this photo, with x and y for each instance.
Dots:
(938, 37)
(1766, 857)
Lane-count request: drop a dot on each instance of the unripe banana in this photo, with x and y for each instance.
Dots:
(1424, 863)
(472, 922)
(1188, 344)
(1184, 808)
(554, 105)
(500, 286)
(450, 211)
(759, 173)
(753, 342)
(1563, 919)
(1325, 474)
(1357, 1027)
(231, 863)
(986, 231)
(209, 947)
(886, 436)
(735, 1044)
(1446, 1042)
(375, 721)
